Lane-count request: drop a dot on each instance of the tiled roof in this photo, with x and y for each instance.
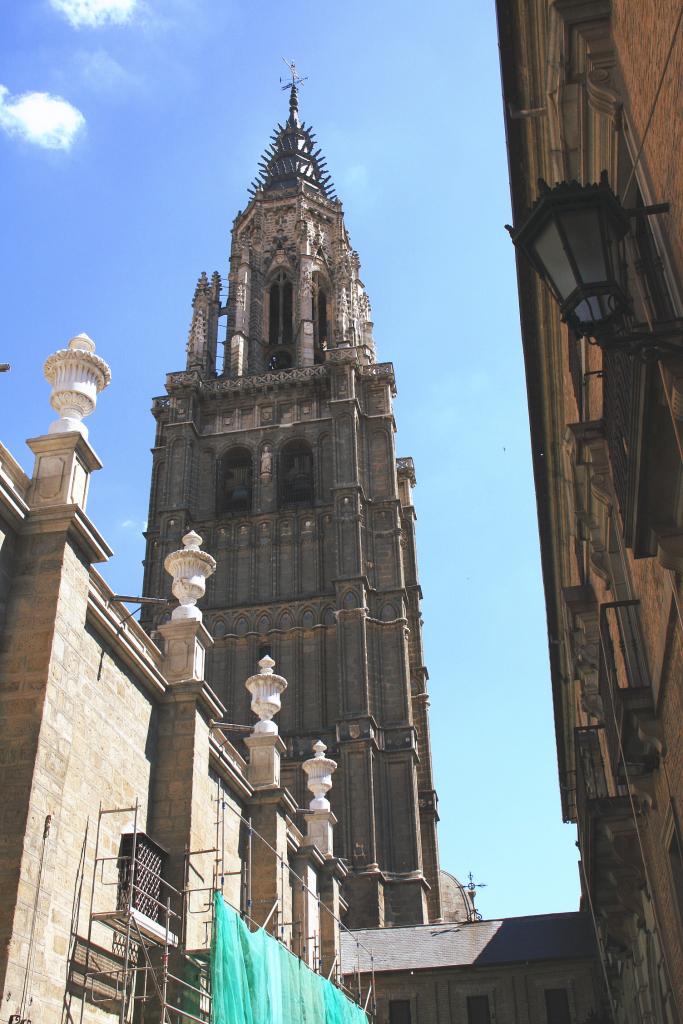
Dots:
(480, 944)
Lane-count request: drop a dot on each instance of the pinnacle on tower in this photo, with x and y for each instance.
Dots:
(293, 156)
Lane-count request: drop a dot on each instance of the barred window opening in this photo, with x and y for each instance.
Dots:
(280, 309)
(236, 481)
(141, 867)
(320, 324)
(296, 474)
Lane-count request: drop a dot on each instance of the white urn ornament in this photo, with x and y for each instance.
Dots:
(190, 569)
(77, 376)
(319, 770)
(265, 688)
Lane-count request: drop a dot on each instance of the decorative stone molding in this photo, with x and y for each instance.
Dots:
(589, 491)
(406, 467)
(381, 371)
(190, 379)
(266, 688)
(77, 376)
(190, 569)
(582, 624)
(319, 771)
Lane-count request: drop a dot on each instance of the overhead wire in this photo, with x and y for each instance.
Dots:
(656, 98)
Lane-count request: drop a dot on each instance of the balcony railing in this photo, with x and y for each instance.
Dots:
(621, 382)
(625, 688)
(597, 796)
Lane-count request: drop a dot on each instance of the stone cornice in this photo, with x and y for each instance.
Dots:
(70, 519)
(14, 485)
(185, 380)
(277, 796)
(127, 638)
(190, 379)
(383, 372)
(230, 766)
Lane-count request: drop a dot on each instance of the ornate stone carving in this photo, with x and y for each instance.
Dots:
(266, 466)
(189, 568)
(589, 491)
(77, 376)
(197, 336)
(319, 770)
(265, 688)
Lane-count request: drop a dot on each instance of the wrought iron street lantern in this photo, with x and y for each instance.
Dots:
(573, 238)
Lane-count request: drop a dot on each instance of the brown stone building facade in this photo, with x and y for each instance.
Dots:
(124, 805)
(520, 970)
(592, 86)
(284, 462)
(135, 783)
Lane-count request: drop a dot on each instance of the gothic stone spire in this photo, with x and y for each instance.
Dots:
(293, 156)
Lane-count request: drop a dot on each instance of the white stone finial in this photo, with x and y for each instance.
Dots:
(319, 770)
(265, 688)
(77, 376)
(190, 569)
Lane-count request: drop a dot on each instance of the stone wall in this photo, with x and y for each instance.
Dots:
(516, 994)
(607, 475)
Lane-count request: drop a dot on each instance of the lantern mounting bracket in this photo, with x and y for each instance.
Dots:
(648, 211)
(648, 342)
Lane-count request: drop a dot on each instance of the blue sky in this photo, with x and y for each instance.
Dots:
(129, 132)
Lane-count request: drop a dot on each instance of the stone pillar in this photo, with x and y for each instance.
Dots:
(63, 458)
(40, 659)
(180, 783)
(306, 937)
(237, 360)
(305, 341)
(330, 879)
(320, 820)
(269, 807)
(331, 872)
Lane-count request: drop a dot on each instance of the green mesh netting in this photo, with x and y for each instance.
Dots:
(256, 980)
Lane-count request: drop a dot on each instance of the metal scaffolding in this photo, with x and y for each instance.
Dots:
(151, 974)
(157, 968)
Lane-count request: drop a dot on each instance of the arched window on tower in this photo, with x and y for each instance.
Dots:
(235, 483)
(319, 296)
(280, 310)
(295, 474)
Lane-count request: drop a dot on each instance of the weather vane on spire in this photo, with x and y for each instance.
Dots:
(297, 79)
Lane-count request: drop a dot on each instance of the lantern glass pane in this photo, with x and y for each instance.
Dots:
(594, 309)
(584, 238)
(550, 252)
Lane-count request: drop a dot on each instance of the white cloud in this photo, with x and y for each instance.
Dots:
(102, 73)
(133, 524)
(94, 13)
(38, 117)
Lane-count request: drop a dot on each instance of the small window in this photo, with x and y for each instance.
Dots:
(478, 1010)
(557, 1006)
(280, 361)
(320, 328)
(296, 474)
(280, 310)
(141, 868)
(676, 865)
(399, 1011)
(236, 481)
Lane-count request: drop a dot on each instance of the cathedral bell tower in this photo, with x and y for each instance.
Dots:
(283, 460)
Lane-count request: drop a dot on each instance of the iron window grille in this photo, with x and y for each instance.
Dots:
(296, 474)
(236, 482)
(141, 867)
